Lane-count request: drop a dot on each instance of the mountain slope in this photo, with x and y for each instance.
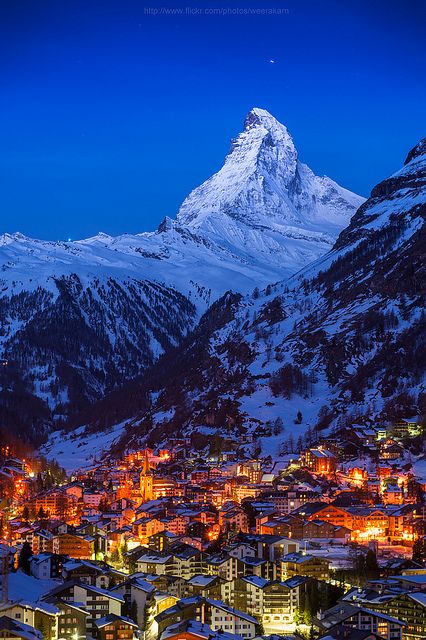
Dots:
(343, 340)
(78, 319)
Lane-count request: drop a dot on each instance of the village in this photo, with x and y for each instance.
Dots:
(177, 544)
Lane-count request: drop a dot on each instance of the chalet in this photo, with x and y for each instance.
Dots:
(234, 519)
(225, 618)
(296, 528)
(154, 562)
(352, 616)
(407, 427)
(340, 632)
(186, 561)
(390, 450)
(338, 516)
(369, 522)
(240, 550)
(114, 627)
(392, 494)
(194, 630)
(300, 564)
(201, 474)
(319, 461)
(272, 602)
(271, 547)
(56, 503)
(373, 485)
(144, 528)
(11, 629)
(161, 540)
(224, 565)
(74, 488)
(72, 618)
(98, 602)
(185, 609)
(47, 565)
(205, 585)
(176, 587)
(95, 574)
(259, 567)
(42, 541)
(410, 607)
(285, 502)
(73, 545)
(37, 615)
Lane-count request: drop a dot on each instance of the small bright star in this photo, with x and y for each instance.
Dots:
(271, 61)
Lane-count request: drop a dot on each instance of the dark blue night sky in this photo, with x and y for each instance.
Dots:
(111, 115)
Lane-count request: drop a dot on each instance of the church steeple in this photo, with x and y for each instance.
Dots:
(146, 480)
(145, 467)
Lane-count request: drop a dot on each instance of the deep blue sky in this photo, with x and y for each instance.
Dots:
(109, 116)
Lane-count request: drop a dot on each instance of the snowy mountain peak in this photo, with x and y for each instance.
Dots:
(263, 138)
(261, 117)
(9, 238)
(262, 184)
(417, 151)
(165, 225)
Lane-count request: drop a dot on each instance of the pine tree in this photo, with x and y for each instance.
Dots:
(24, 557)
(371, 566)
(278, 426)
(298, 616)
(419, 551)
(42, 515)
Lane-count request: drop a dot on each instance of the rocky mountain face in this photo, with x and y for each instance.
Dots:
(344, 340)
(265, 205)
(79, 319)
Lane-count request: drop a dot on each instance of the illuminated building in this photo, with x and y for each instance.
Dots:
(300, 564)
(74, 546)
(319, 461)
(146, 480)
(353, 616)
(114, 627)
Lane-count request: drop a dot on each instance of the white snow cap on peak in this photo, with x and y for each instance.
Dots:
(262, 184)
(257, 116)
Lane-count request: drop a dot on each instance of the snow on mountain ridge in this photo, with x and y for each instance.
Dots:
(262, 182)
(262, 217)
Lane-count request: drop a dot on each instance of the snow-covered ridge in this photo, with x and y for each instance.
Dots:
(79, 318)
(263, 183)
(262, 217)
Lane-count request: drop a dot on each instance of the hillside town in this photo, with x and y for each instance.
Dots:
(210, 543)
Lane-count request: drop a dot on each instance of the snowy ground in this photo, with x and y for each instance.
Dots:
(78, 450)
(28, 588)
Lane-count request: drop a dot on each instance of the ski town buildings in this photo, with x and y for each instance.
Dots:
(325, 543)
